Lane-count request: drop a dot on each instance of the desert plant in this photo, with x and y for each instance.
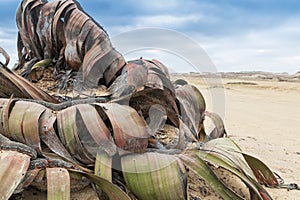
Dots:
(114, 141)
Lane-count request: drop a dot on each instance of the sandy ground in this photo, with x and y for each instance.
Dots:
(263, 117)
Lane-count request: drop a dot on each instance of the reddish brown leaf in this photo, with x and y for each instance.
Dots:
(93, 133)
(192, 107)
(129, 129)
(219, 130)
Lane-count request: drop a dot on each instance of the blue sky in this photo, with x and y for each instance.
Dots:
(237, 35)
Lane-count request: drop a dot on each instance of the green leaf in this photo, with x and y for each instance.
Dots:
(219, 160)
(154, 176)
(227, 150)
(65, 125)
(225, 143)
(112, 191)
(261, 171)
(58, 184)
(199, 166)
(103, 165)
(41, 63)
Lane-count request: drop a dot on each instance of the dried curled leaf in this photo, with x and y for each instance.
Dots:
(58, 184)
(192, 107)
(129, 129)
(13, 167)
(61, 31)
(143, 84)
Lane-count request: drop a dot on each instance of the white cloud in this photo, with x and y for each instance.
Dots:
(157, 4)
(276, 49)
(166, 20)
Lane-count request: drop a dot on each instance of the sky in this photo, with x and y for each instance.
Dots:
(235, 35)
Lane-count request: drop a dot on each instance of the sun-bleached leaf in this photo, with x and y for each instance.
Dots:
(58, 184)
(13, 167)
(24, 123)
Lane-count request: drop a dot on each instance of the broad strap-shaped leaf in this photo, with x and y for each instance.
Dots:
(24, 123)
(229, 151)
(132, 78)
(13, 167)
(200, 167)
(227, 148)
(4, 114)
(192, 107)
(68, 134)
(58, 184)
(89, 48)
(103, 165)
(154, 176)
(15, 121)
(261, 171)
(50, 138)
(162, 67)
(220, 161)
(26, 23)
(112, 191)
(44, 30)
(129, 129)
(92, 131)
(57, 30)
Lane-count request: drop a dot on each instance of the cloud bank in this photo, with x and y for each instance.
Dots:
(237, 35)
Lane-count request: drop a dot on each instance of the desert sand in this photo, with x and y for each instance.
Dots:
(263, 117)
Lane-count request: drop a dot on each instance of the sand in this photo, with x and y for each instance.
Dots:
(263, 117)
